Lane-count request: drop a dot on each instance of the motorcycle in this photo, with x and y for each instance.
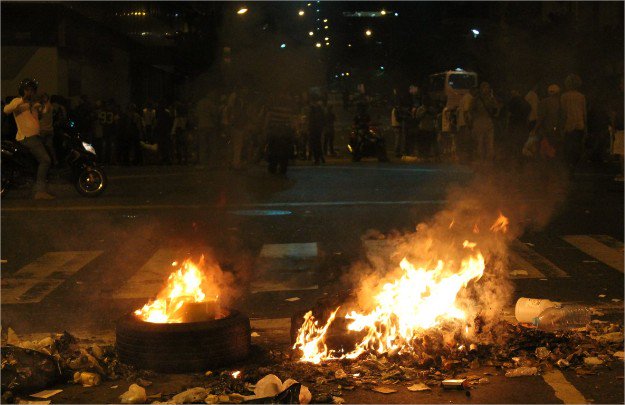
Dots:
(19, 166)
(366, 141)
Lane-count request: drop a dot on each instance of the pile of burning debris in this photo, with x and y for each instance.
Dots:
(513, 351)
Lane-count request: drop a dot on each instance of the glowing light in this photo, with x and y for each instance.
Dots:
(349, 45)
(346, 73)
(300, 13)
(327, 44)
(368, 33)
(475, 32)
(236, 374)
(242, 10)
(310, 33)
(396, 14)
(326, 39)
(381, 67)
(318, 44)
(383, 12)
(326, 27)
(282, 46)
(325, 20)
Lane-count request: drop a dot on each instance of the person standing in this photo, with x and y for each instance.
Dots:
(315, 131)
(483, 113)
(162, 129)
(575, 121)
(519, 111)
(549, 124)
(396, 124)
(85, 118)
(465, 124)
(148, 117)
(279, 130)
(328, 133)
(109, 119)
(179, 133)
(616, 124)
(426, 114)
(46, 126)
(533, 100)
(27, 121)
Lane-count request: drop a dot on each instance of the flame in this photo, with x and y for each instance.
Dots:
(236, 374)
(501, 224)
(186, 285)
(420, 299)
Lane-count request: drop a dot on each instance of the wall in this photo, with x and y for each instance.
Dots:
(19, 62)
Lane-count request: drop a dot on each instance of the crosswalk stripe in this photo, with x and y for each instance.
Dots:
(286, 267)
(33, 282)
(151, 277)
(564, 390)
(524, 258)
(588, 244)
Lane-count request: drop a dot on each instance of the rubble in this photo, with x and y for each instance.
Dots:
(419, 387)
(522, 372)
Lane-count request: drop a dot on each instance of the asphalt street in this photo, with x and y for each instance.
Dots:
(79, 264)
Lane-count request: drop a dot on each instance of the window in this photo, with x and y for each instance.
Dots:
(437, 83)
(462, 81)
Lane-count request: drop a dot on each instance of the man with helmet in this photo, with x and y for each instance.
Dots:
(25, 111)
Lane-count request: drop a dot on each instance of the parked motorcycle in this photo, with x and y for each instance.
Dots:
(19, 166)
(366, 141)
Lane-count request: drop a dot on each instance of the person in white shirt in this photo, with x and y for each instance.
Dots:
(532, 99)
(25, 111)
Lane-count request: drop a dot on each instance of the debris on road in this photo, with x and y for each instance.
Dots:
(522, 372)
(135, 395)
(453, 384)
(87, 379)
(45, 394)
(419, 387)
(384, 390)
(292, 299)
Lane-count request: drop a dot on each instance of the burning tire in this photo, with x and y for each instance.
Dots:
(183, 347)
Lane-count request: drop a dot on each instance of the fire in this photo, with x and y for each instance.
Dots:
(186, 286)
(422, 297)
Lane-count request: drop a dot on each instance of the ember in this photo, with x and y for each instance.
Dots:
(190, 295)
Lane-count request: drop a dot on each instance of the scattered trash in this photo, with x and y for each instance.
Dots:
(519, 273)
(601, 295)
(542, 353)
(419, 387)
(268, 386)
(337, 400)
(190, 396)
(526, 309)
(615, 300)
(87, 379)
(45, 394)
(563, 363)
(293, 299)
(134, 395)
(208, 373)
(383, 390)
(619, 355)
(593, 361)
(255, 334)
(522, 372)
(339, 374)
(271, 388)
(483, 380)
(114, 386)
(453, 384)
(613, 337)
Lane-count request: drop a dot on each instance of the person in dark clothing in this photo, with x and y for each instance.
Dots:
(279, 133)
(109, 119)
(85, 118)
(518, 115)
(130, 136)
(426, 115)
(328, 134)
(315, 131)
(164, 123)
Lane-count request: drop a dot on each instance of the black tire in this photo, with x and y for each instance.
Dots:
(91, 182)
(183, 347)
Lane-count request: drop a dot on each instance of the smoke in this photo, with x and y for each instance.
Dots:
(528, 197)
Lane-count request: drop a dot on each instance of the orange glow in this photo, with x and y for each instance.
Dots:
(501, 224)
(184, 286)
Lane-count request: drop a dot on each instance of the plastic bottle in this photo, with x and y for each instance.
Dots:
(527, 309)
(563, 318)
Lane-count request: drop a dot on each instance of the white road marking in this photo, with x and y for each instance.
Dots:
(564, 390)
(522, 257)
(611, 256)
(286, 267)
(151, 277)
(33, 282)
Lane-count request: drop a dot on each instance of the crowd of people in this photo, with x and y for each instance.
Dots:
(241, 127)
(563, 126)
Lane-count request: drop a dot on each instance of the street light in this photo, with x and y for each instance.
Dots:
(242, 10)
(368, 33)
(383, 12)
(325, 20)
(318, 44)
(283, 46)
(326, 27)
(300, 13)
(326, 39)
(310, 33)
(475, 32)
